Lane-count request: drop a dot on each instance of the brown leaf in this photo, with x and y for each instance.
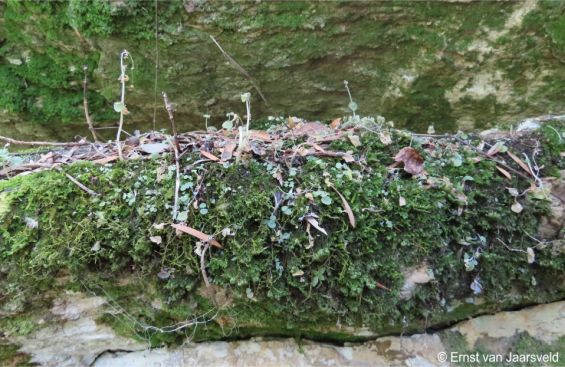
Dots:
(348, 157)
(259, 135)
(291, 123)
(504, 172)
(227, 152)
(520, 162)
(382, 286)
(335, 123)
(346, 207)
(312, 129)
(354, 139)
(196, 233)
(413, 161)
(106, 160)
(209, 155)
(495, 149)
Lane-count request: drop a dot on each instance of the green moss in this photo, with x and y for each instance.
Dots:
(10, 356)
(18, 325)
(278, 280)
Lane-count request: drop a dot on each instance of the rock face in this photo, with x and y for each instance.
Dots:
(417, 64)
(73, 338)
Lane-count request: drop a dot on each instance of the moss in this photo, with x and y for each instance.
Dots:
(279, 280)
(11, 357)
(18, 325)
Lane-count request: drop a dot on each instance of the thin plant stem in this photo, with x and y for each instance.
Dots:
(85, 104)
(123, 78)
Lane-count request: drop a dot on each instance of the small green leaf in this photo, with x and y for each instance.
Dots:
(228, 125)
(327, 200)
(119, 106)
(457, 160)
(182, 216)
(245, 97)
(352, 106)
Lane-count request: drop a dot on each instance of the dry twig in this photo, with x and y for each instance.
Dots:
(240, 69)
(76, 182)
(85, 104)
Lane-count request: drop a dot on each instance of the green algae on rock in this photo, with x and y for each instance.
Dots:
(279, 272)
(419, 63)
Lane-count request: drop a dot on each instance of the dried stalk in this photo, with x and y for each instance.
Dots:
(85, 104)
(76, 182)
(175, 145)
(177, 179)
(240, 69)
(170, 110)
(39, 143)
(203, 264)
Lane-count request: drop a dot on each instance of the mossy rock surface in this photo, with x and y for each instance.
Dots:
(419, 63)
(275, 273)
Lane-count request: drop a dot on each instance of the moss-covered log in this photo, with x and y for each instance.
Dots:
(334, 240)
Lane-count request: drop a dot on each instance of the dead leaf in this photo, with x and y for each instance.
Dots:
(312, 129)
(354, 139)
(413, 161)
(298, 273)
(159, 226)
(302, 151)
(209, 155)
(156, 239)
(154, 148)
(498, 147)
(348, 157)
(278, 176)
(310, 238)
(227, 152)
(384, 137)
(401, 201)
(513, 191)
(196, 233)
(520, 162)
(336, 123)
(517, 207)
(106, 160)
(531, 255)
(318, 148)
(314, 222)
(259, 135)
(346, 207)
(257, 148)
(291, 124)
(504, 172)
(382, 286)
